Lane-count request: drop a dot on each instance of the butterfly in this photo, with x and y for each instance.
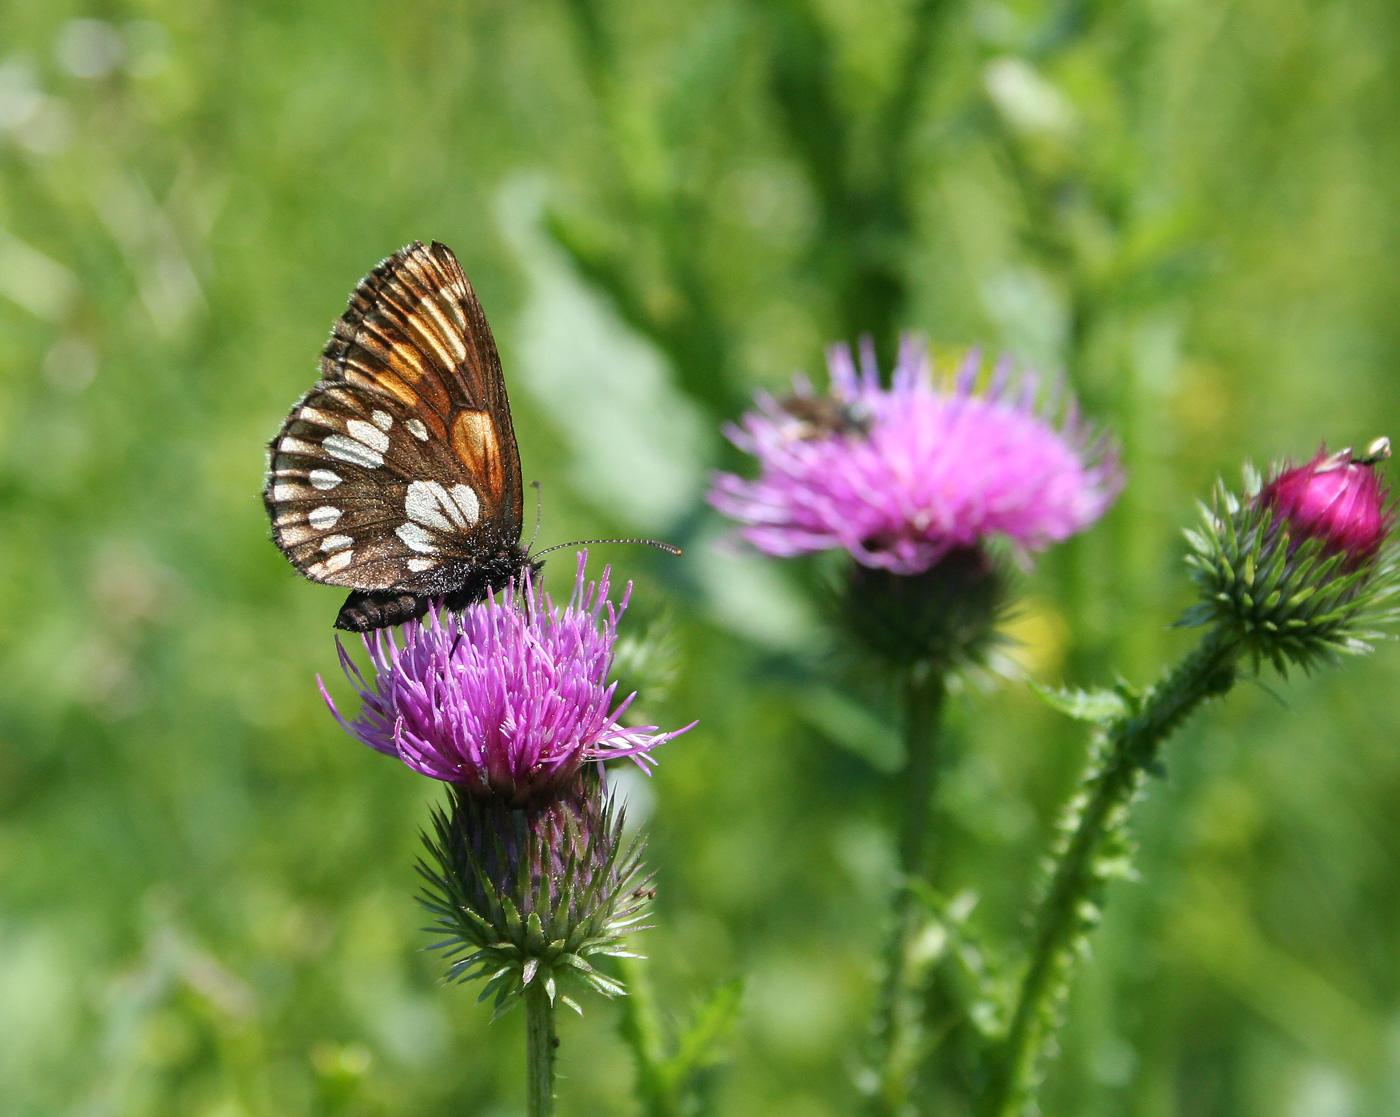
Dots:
(398, 475)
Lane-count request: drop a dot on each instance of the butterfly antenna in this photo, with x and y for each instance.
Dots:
(538, 509)
(667, 547)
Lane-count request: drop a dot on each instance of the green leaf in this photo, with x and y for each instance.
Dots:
(697, 1045)
(849, 724)
(975, 968)
(1096, 706)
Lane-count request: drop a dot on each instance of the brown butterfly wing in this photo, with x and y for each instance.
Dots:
(399, 469)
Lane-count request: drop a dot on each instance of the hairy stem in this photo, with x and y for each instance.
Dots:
(540, 1043)
(898, 1035)
(1095, 818)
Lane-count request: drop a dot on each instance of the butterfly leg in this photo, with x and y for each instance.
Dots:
(366, 611)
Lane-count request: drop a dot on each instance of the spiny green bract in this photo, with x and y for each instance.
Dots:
(1286, 600)
(530, 894)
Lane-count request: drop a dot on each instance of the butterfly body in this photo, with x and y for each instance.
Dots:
(397, 475)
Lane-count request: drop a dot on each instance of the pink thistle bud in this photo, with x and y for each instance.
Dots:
(1300, 569)
(1338, 499)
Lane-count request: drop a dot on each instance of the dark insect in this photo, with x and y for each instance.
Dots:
(397, 475)
(818, 416)
(1377, 452)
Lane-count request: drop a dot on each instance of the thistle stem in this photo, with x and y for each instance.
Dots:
(540, 1042)
(897, 1032)
(1125, 753)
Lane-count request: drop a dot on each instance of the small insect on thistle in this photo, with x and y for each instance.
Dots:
(1377, 452)
(817, 417)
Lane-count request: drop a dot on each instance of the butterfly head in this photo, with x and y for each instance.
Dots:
(491, 573)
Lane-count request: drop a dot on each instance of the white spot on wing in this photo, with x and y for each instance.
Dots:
(348, 450)
(336, 542)
(294, 535)
(418, 430)
(383, 420)
(426, 502)
(466, 500)
(325, 479)
(289, 445)
(312, 415)
(369, 434)
(416, 538)
(324, 518)
(282, 492)
(420, 565)
(340, 560)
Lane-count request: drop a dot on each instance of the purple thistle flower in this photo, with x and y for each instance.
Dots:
(913, 471)
(508, 698)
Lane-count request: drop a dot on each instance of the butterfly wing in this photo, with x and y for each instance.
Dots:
(399, 469)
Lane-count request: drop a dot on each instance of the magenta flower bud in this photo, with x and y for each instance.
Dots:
(1338, 499)
(1300, 569)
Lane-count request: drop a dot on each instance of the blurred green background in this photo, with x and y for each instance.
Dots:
(1192, 206)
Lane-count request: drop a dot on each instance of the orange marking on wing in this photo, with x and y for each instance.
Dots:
(474, 442)
(435, 329)
(383, 380)
(406, 359)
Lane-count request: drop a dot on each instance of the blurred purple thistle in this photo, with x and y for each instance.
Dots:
(509, 698)
(923, 471)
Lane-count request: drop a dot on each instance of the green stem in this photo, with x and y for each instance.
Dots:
(1097, 815)
(897, 1032)
(540, 1043)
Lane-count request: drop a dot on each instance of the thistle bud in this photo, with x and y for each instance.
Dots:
(528, 894)
(1301, 568)
(1339, 499)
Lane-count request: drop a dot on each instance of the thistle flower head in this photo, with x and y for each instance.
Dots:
(1302, 568)
(524, 894)
(508, 699)
(900, 476)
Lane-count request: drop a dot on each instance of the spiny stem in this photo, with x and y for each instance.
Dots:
(897, 1031)
(1096, 815)
(540, 1042)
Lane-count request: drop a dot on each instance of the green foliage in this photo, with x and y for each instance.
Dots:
(670, 1075)
(206, 891)
(1094, 847)
(1093, 706)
